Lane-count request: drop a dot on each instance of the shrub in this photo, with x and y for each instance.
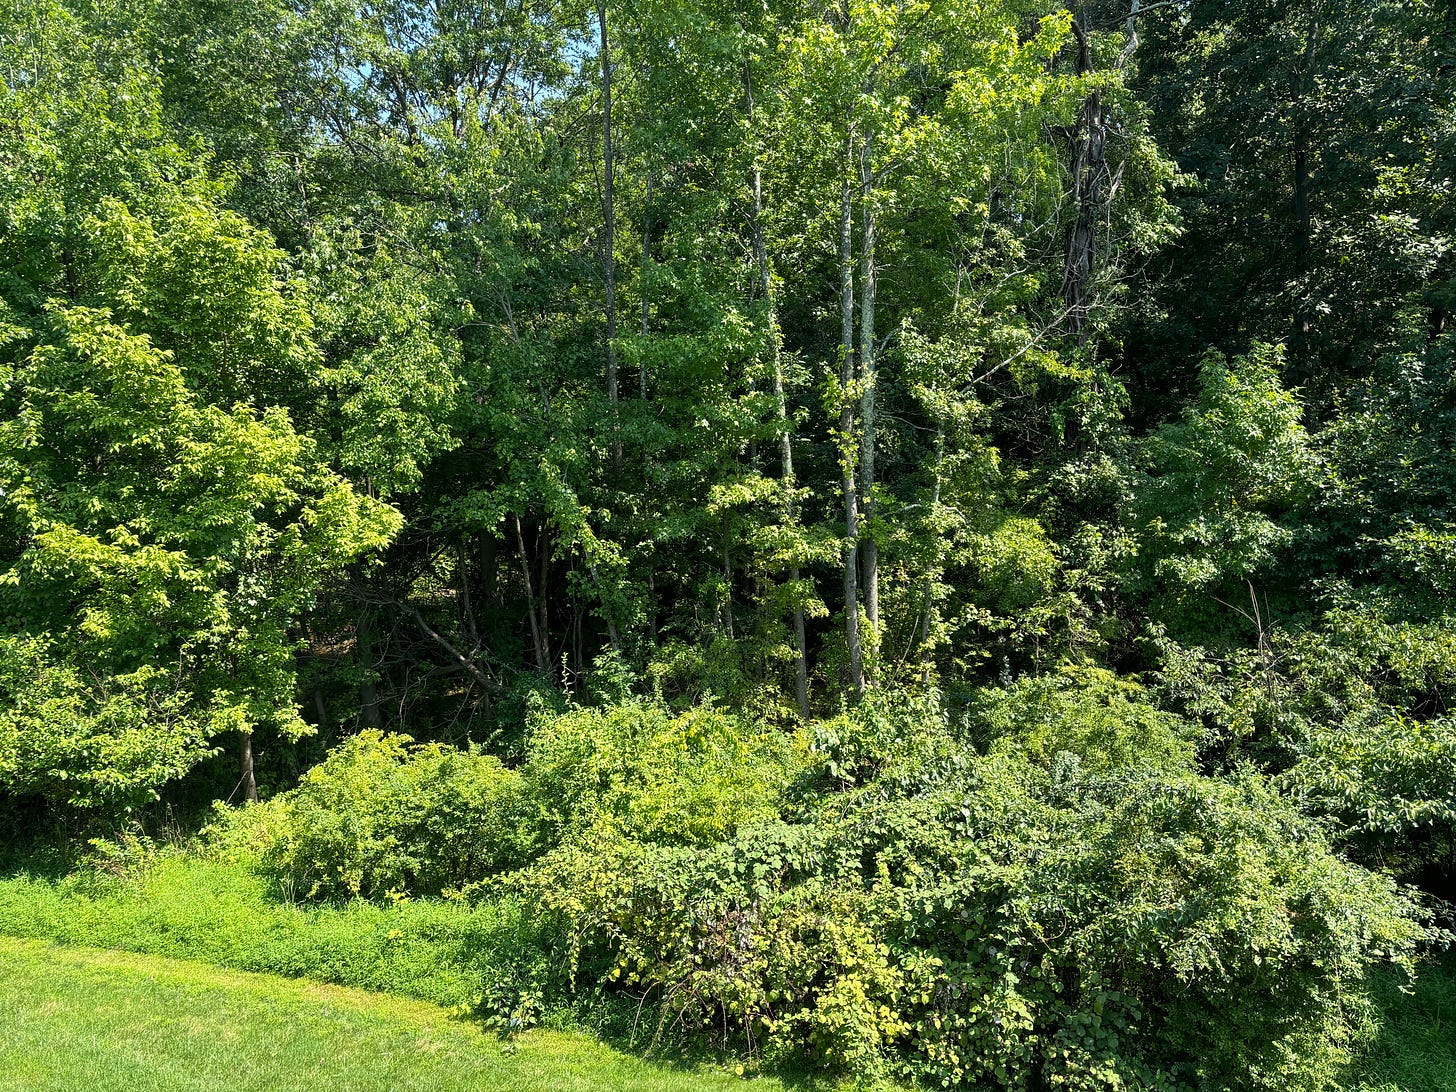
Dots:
(1390, 784)
(887, 735)
(382, 814)
(687, 778)
(1105, 721)
(1000, 924)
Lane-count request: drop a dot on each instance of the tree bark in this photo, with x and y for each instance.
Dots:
(848, 445)
(369, 716)
(543, 591)
(869, 549)
(1088, 169)
(609, 257)
(786, 441)
(537, 641)
(467, 606)
(248, 783)
(1303, 221)
(646, 268)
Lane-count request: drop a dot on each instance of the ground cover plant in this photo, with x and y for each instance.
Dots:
(1414, 1052)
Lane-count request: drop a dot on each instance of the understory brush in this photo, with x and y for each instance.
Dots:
(1049, 894)
(1004, 925)
(1045, 892)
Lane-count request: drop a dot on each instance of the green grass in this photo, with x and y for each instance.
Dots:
(1416, 1051)
(195, 907)
(102, 1021)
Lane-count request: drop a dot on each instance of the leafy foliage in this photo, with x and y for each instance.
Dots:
(987, 919)
(383, 815)
(948, 591)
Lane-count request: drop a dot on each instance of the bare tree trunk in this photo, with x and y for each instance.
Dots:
(609, 257)
(490, 572)
(576, 649)
(369, 716)
(786, 440)
(848, 452)
(544, 592)
(249, 785)
(1088, 171)
(1303, 223)
(646, 268)
(467, 606)
(869, 549)
(537, 642)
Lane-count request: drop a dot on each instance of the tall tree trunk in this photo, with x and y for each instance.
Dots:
(781, 406)
(489, 572)
(1303, 224)
(247, 782)
(467, 605)
(544, 591)
(609, 257)
(369, 716)
(869, 549)
(1088, 169)
(1303, 221)
(646, 268)
(538, 643)
(848, 445)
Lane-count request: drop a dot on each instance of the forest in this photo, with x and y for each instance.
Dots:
(910, 540)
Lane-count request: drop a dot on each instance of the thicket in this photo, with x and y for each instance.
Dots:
(909, 535)
(1068, 904)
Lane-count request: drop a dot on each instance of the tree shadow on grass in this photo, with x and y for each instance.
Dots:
(49, 857)
(632, 1026)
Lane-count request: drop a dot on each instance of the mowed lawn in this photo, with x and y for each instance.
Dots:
(106, 1021)
(86, 1019)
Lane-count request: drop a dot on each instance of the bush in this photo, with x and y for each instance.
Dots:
(687, 778)
(1390, 784)
(1071, 907)
(996, 921)
(1106, 722)
(382, 814)
(888, 734)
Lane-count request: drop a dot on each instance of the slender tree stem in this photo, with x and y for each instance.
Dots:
(609, 244)
(869, 548)
(847, 443)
